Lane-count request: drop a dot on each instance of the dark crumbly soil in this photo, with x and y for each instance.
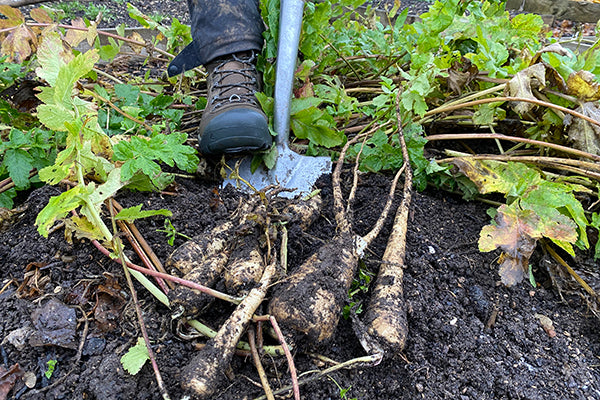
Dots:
(451, 290)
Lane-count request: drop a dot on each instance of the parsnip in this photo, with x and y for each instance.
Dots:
(203, 373)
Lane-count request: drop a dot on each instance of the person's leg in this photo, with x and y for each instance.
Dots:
(219, 28)
(227, 37)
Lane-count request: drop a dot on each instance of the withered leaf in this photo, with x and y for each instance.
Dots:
(515, 233)
(583, 85)
(76, 36)
(521, 86)
(12, 13)
(18, 44)
(584, 135)
(109, 304)
(40, 15)
(8, 377)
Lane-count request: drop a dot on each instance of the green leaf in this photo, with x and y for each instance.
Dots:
(136, 357)
(132, 213)
(55, 116)
(6, 198)
(58, 207)
(127, 92)
(69, 74)
(19, 164)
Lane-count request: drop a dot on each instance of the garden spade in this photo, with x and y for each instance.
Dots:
(292, 170)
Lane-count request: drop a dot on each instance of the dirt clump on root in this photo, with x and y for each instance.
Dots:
(469, 337)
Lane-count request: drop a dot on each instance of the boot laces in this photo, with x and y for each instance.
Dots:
(235, 85)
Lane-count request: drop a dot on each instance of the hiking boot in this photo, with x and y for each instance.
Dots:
(233, 121)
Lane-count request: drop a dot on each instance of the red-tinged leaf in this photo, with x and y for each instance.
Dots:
(515, 233)
(76, 36)
(8, 377)
(40, 15)
(18, 44)
(12, 13)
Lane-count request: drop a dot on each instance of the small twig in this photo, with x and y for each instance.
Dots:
(107, 75)
(493, 136)
(141, 254)
(355, 362)
(513, 99)
(259, 368)
(288, 355)
(571, 271)
(8, 284)
(123, 113)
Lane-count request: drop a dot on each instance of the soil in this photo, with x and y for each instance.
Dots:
(455, 347)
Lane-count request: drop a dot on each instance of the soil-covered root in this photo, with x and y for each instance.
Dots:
(386, 314)
(204, 372)
(191, 301)
(245, 266)
(194, 253)
(304, 212)
(311, 298)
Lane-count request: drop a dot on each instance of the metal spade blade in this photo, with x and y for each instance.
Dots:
(292, 170)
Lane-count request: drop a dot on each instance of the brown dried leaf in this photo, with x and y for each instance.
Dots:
(460, 75)
(521, 86)
(33, 281)
(138, 38)
(584, 135)
(40, 15)
(583, 85)
(109, 304)
(8, 377)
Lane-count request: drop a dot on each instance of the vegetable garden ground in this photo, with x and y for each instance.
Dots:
(454, 350)
(67, 316)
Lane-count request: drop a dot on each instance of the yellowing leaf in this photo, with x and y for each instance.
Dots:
(76, 36)
(583, 85)
(51, 56)
(18, 44)
(91, 33)
(497, 177)
(515, 233)
(11, 13)
(54, 116)
(522, 83)
(138, 38)
(82, 228)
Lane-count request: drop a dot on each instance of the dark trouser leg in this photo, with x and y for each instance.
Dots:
(219, 27)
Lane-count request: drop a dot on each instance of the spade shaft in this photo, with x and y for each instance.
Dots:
(292, 171)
